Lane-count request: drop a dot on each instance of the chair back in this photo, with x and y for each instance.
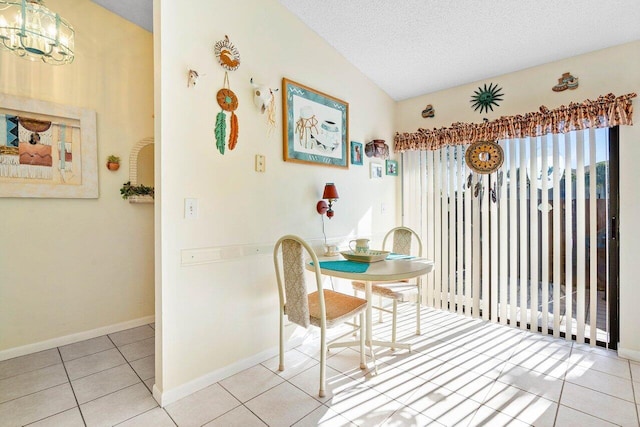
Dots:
(402, 239)
(292, 287)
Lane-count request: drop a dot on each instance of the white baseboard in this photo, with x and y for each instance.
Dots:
(629, 354)
(73, 338)
(184, 390)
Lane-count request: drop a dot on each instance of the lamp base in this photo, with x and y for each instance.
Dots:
(322, 207)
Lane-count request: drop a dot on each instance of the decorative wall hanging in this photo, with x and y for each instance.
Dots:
(567, 81)
(356, 153)
(316, 126)
(484, 157)
(377, 148)
(227, 54)
(47, 149)
(228, 101)
(428, 111)
(485, 98)
(264, 100)
(391, 167)
(192, 78)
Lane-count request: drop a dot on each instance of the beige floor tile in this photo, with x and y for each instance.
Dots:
(324, 417)
(598, 404)
(105, 382)
(251, 382)
(599, 381)
(295, 362)
(282, 405)
(568, 417)
(132, 335)
(87, 365)
(636, 391)
(117, 407)
(479, 363)
(32, 382)
(145, 367)
(443, 405)
(392, 382)
(29, 362)
(556, 367)
(467, 383)
(635, 371)
(237, 417)
(486, 416)
(70, 418)
(517, 403)
(202, 406)
(544, 345)
(37, 406)
(607, 364)
(85, 348)
(309, 382)
(149, 383)
(347, 361)
(407, 417)
(138, 349)
(364, 406)
(532, 382)
(157, 417)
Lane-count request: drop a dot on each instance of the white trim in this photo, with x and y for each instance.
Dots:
(73, 338)
(629, 354)
(188, 388)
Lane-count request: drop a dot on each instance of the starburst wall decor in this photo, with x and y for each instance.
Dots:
(485, 98)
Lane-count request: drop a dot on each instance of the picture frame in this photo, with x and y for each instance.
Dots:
(391, 167)
(315, 126)
(356, 153)
(48, 150)
(375, 170)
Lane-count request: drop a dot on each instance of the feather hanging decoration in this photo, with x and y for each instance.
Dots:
(221, 130)
(233, 131)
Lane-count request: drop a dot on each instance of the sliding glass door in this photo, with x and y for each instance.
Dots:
(527, 245)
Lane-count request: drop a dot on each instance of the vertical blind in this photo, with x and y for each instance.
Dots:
(525, 245)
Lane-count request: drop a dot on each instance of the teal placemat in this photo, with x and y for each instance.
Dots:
(399, 256)
(345, 266)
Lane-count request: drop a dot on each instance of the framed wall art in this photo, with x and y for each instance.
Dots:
(375, 170)
(392, 167)
(316, 126)
(356, 153)
(47, 150)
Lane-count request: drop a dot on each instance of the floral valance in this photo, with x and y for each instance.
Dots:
(606, 111)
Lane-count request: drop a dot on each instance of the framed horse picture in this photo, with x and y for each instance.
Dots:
(316, 126)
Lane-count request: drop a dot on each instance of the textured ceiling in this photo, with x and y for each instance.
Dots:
(413, 47)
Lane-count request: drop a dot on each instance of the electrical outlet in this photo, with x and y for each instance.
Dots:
(191, 208)
(260, 163)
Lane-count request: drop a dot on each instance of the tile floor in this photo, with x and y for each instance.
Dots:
(460, 372)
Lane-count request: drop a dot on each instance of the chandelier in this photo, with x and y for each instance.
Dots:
(31, 31)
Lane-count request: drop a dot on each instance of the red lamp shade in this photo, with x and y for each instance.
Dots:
(330, 194)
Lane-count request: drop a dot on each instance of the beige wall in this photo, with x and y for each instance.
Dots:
(615, 70)
(69, 266)
(219, 314)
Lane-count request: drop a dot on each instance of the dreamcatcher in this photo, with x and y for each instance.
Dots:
(228, 101)
(485, 157)
(229, 59)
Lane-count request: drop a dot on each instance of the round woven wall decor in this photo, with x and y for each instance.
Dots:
(484, 157)
(227, 100)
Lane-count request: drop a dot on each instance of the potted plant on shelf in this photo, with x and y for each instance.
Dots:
(113, 163)
(129, 190)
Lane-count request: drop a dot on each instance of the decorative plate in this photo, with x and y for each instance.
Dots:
(227, 100)
(371, 256)
(484, 157)
(227, 54)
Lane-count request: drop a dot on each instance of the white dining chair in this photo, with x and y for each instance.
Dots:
(399, 291)
(322, 308)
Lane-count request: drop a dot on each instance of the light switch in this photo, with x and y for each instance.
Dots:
(260, 163)
(191, 208)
